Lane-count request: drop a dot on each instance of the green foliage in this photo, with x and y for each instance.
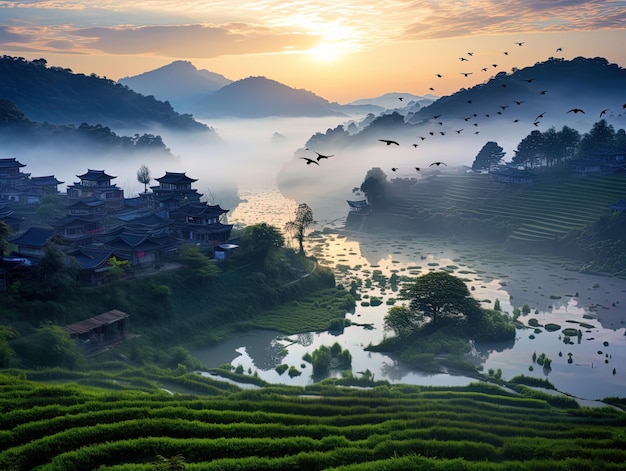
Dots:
(440, 296)
(49, 346)
(200, 268)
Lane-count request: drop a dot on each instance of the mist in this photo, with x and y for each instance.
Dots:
(268, 152)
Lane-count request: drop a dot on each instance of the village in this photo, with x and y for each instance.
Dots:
(101, 225)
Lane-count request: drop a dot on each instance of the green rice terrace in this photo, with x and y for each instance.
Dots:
(543, 211)
(133, 419)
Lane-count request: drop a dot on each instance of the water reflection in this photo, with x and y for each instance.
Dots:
(543, 287)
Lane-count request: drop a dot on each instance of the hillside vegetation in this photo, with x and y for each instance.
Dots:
(541, 215)
(59, 96)
(132, 420)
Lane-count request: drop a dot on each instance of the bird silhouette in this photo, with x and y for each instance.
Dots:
(431, 89)
(400, 98)
(603, 112)
(494, 65)
(458, 131)
(576, 110)
(470, 53)
(463, 59)
(530, 80)
(310, 161)
(518, 102)
(417, 168)
(484, 69)
(443, 133)
(389, 142)
(559, 49)
(438, 164)
(506, 53)
(415, 145)
(431, 133)
(466, 74)
(624, 106)
(543, 92)
(322, 156)
(536, 123)
(436, 116)
(422, 138)
(439, 75)
(504, 107)
(540, 116)
(520, 43)
(393, 169)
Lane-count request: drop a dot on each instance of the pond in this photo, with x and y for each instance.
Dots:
(589, 366)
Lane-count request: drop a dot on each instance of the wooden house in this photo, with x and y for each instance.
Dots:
(98, 333)
(97, 184)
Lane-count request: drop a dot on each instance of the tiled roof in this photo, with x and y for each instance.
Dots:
(33, 237)
(175, 177)
(95, 175)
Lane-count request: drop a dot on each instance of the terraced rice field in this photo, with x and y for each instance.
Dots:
(142, 427)
(542, 211)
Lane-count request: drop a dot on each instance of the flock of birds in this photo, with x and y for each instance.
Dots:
(470, 119)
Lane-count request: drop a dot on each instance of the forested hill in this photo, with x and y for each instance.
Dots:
(59, 96)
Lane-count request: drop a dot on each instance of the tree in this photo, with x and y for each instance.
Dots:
(302, 221)
(440, 295)
(530, 150)
(258, 241)
(491, 154)
(401, 320)
(5, 230)
(374, 186)
(601, 136)
(143, 176)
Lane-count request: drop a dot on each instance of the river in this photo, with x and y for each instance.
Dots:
(590, 367)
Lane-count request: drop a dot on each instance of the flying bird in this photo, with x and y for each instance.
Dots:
(310, 161)
(518, 102)
(624, 106)
(458, 131)
(519, 44)
(543, 92)
(415, 145)
(439, 75)
(393, 169)
(470, 53)
(422, 138)
(494, 65)
(530, 80)
(389, 142)
(438, 164)
(540, 116)
(431, 89)
(484, 69)
(506, 53)
(322, 156)
(417, 168)
(400, 98)
(436, 116)
(536, 123)
(603, 112)
(443, 133)
(504, 107)
(466, 74)
(576, 110)
(559, 49)
(463, 59)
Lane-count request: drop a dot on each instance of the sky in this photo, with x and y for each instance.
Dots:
(341, 50)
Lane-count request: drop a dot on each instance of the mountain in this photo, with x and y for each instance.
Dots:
(396, 100)
(258, 97)
(180, 83)
(57, 95)
(551, 88)
(507, 106)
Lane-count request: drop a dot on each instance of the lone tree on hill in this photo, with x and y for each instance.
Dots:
(297, 228)
(143, 176)
(490, 155)
(440, 296)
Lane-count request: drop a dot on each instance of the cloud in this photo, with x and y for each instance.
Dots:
(203, 29)
(193, 40)
(456, 18)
